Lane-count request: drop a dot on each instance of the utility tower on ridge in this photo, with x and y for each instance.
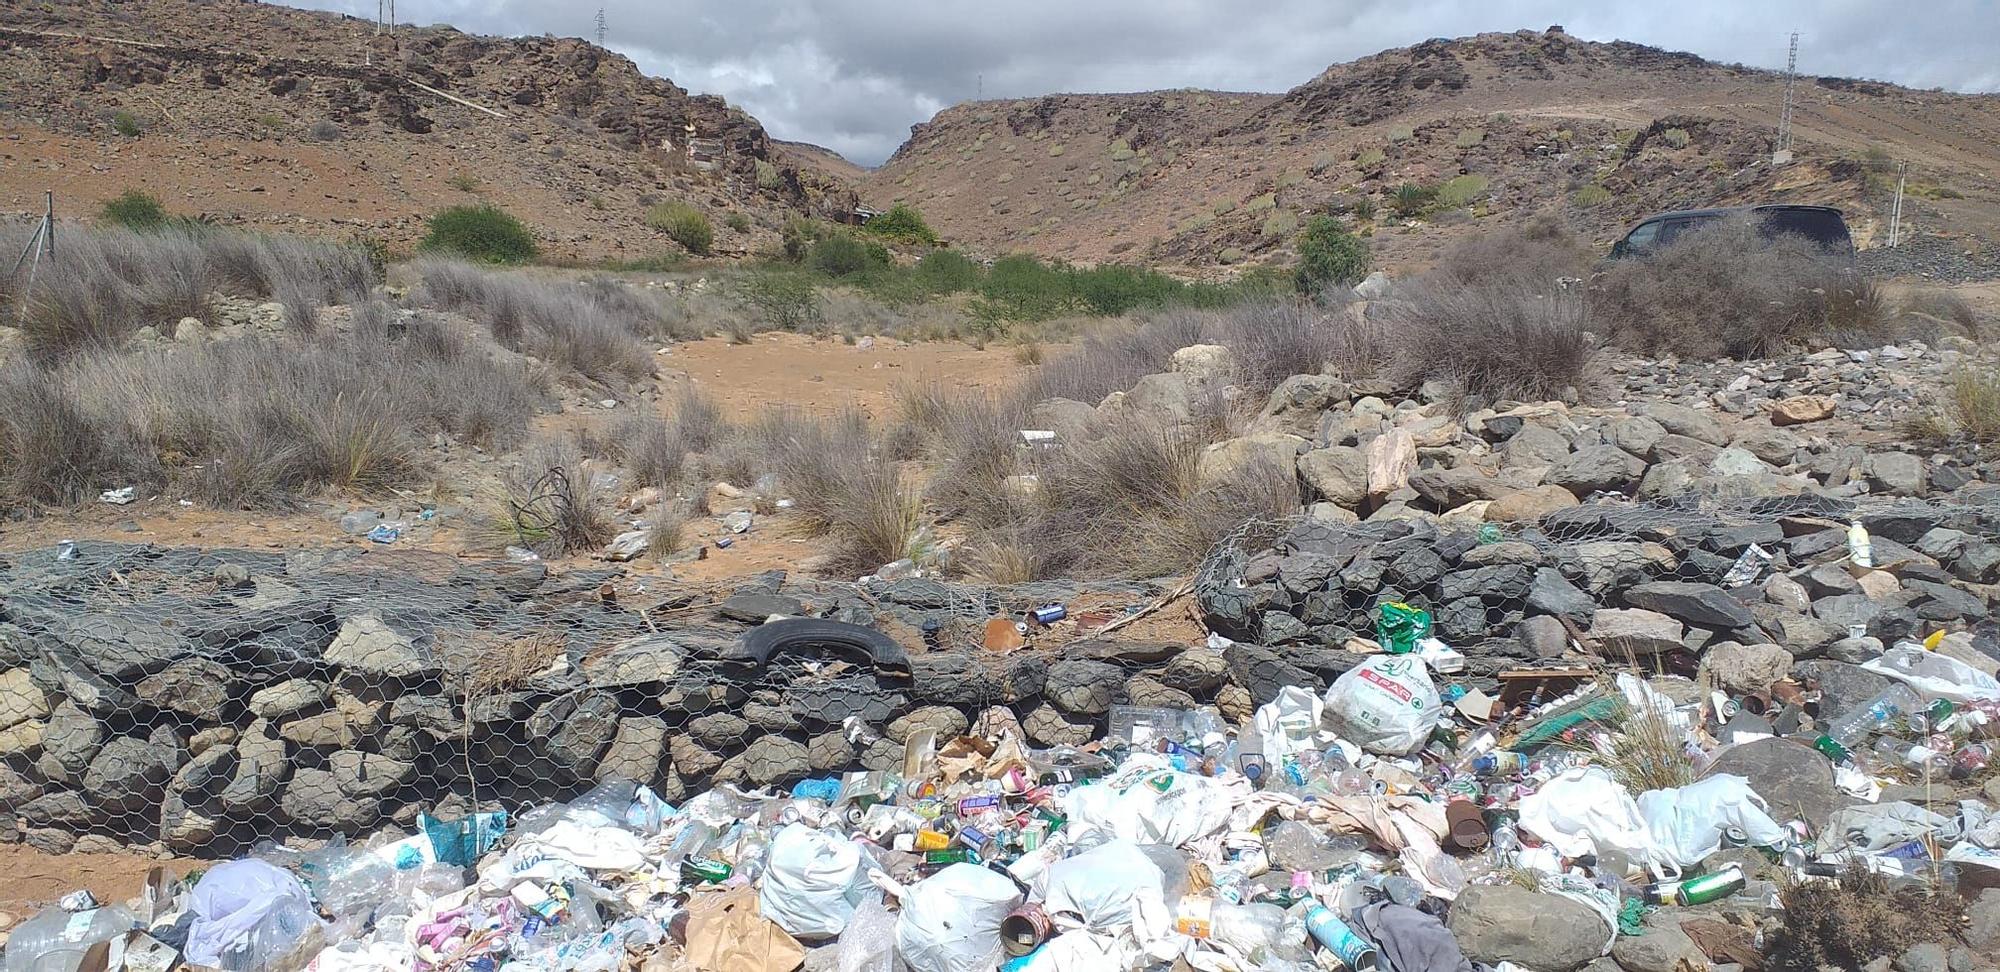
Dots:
(1782, 152)
(603, 26)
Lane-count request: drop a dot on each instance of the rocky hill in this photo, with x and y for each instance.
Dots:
(274, 117)
(1510, 124)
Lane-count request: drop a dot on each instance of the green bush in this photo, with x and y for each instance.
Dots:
(1363, 210)
(134, 210)
(947, 272)
(683, 224)
(799, 235)
(1676, 137)
(841, 255)
(1023, 288)
(738, 222)
(1411, 200)
(902, 223)
(1369, 158)
(784, 300)
(127, 124)
(768, 176)
(1459, 191)
(1329, 256)
(484, 232)
(1469, 137)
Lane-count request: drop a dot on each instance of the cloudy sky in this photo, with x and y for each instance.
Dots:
(853, 75)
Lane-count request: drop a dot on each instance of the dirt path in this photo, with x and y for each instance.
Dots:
(817, 375)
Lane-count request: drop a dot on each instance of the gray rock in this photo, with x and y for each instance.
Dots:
(757, 608)
(1448, 488)
(1461, 621)
(954, 678)
(69, 743)
(775, 759)
(1681, 420)
(1635, 630)
(943, 720)
(59, 808)
(1787, 593)
(289, 698)
(128, 774)
(1606, 565)
(719, 730)
(1637, 435)
(1895, 473)
(1847, 610)
(693, 760)
(1296, 404)
(1046, 725)
(20, 698)
(1543, 636)
(1196, 671)
(1745, 668)
(638, 752)
(1150, 691)
(1700, 605)
(1551, 593)
(368, 646)
(430, 713)
(1681, 448)
(575, 730)
(1925, 957)
(645, 660)
(1978, 564)
(1508, 923)
(829, 752)
(1982, 931)
(1534, 446)
(17, 787)
(1773, 445)
(1661, 948)
(261, 769)
(196, 688)
(1492, 555)
(121, 647)
(1081, 687)
(1792, 777)
(1503, 583)
(370, 775)
(313, 799)
(1338, 474)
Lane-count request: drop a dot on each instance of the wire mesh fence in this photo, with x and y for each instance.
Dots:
(201, 701)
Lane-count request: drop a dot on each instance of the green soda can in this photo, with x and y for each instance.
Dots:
(705, 870)
(1701, 890)
(955, 855)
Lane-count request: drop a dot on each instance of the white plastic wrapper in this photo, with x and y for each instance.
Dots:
(812, 882)
(951, 920)
(1289, 723)
(1687, 822)
(1099, 885)
(1147, 805)
(1584, 811)
(1934, 676)
(1387, 705)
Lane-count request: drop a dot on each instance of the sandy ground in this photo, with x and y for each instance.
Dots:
(35, 880)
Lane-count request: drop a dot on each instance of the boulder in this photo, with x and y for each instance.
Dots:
(366, 645)
(1338, 474)
(1529, 505)
(1249, 458)
(1448, 488)
(289, 698)
(20, 698)
(69, 742)
(1607, 565)
(1552, 594)
(944, 721)
(369, 775)
(261, 769)
(313, 800)
(196, 688)
(1534, 446)
(1082, 687)
(1681, 420)
(1509, 923)
(1637, 435)
(1775, 446)
(1595, 469)
(1662, 947)
(1802, 409)
(1699, 605)
(1204, 362)
(1296, 405)
(1046, 725)
(129, 774)
(1895, 473)
(1791, 776)
(1635, 630)
(1745, 669)
(775, 759)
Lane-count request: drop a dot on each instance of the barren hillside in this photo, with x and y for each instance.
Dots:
(274, 117)
(1525, 121)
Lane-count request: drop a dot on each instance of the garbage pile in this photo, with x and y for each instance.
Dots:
(1399, 820)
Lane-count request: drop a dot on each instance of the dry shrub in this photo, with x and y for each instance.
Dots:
(1115, 357)
(549, 504)
(1131, 502)
(106, 283)
(973, 445)
(1724, 291)
(655, 448)
(1274, 340)
(1968, 407)
(818, 461)
(1945, 306)
(666, 534)
(254, 423)
(1536, 254)
(1850, 923)
(1501, 340)
(1646, 751)
(589, 330)
(877, 520)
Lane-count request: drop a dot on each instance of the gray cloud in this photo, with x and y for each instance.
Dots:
(853, 75)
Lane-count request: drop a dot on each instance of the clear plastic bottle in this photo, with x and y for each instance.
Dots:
(1249, 927)
(1913, 756)
(1870, 716)
(55, 940)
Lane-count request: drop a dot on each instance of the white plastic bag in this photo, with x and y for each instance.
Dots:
(951, 920)
(868, 943)
(247, 914)
(1584, 811)
(1934, 676)
(1687, 822)
(1146, 803)
(812, 882)
(1386, 705)
(1289, 723)
(1098, 885)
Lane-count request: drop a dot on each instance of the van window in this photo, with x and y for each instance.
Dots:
(1642, 239)
(1673, 228)
(1822, 226)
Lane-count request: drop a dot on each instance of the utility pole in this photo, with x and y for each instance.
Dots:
(41, 243)
(385, 18)
(1783, 153)
(603, 26)
(1896, 209)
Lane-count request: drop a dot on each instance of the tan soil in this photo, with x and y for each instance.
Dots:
(35, 880)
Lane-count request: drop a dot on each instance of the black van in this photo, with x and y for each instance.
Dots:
(1823, 225)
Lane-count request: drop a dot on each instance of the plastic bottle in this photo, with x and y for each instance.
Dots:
(1850, 729)
(55, 940)
(1859, 549)
(1249, 927)
(1898, 752)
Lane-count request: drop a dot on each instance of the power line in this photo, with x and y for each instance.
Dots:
(603, 26)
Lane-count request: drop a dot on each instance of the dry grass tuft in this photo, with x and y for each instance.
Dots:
(1500, 340)
(1852, 922)
(548, 503)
